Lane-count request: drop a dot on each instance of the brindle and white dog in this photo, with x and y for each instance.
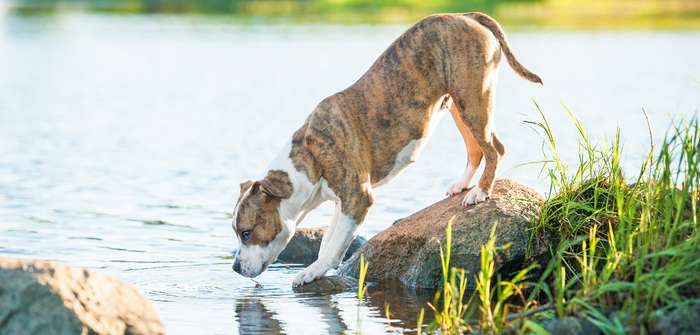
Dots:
(361, 137)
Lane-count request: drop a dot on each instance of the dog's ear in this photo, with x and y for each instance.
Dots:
(275, 188)
(246, 185)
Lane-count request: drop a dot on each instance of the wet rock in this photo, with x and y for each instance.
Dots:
(303, 247)
(570, 326)
(680, 321)
(38, 297)
(328, 285)
(408, 251)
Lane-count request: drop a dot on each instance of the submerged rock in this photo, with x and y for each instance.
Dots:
(409, 250)
(38, 297)
(682, 320)
(570, 326)
(303, 247)
(329, 285)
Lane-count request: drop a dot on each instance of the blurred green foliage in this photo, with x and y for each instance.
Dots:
(591, 14)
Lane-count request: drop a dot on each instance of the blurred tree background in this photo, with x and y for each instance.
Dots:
(589, 14)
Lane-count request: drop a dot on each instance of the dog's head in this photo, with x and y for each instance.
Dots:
(261, 230)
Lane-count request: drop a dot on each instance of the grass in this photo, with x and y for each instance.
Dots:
(451, 315)
(362, 290)
(626, 248)
(568, 14)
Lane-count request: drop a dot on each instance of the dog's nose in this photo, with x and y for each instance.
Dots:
(237, 266)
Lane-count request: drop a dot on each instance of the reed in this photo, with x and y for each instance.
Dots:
(624, 248)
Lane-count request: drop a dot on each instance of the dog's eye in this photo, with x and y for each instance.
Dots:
(245, 235)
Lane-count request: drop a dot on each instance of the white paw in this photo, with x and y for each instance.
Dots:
(316, 270)
(474, 196)
(457, 187)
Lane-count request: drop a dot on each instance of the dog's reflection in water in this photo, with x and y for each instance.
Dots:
(322, 313)
(254, 318)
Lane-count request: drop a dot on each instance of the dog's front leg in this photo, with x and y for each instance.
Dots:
(337, 239)
(329, 230)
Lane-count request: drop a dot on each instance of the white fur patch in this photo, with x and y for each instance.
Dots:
(302, 188)
(340, 240)
(474, 196)
(465, 181)
(329, 230)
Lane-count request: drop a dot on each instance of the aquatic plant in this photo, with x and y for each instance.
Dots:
(629, 247)
(623, 250)
(361, 287)
(451, 315)
(491, 303)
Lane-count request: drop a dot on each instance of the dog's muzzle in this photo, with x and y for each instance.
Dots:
(236, 266)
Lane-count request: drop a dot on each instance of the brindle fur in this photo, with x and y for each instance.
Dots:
(353, 137)
(258, 212)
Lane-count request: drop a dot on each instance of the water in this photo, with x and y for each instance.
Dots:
(123, 141)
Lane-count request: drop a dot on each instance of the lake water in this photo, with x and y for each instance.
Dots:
(123, 141)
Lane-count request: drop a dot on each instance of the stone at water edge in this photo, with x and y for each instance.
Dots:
(570, 326)
(328, 285)
(39, 297)
(409, 250)
(303, 247)
(681, 320)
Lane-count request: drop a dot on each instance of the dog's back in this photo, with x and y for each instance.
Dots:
(392, 106)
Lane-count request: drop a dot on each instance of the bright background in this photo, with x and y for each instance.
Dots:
(126, 126)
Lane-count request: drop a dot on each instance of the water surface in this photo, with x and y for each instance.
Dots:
(123, 141)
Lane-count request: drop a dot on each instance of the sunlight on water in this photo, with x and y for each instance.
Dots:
(123, 140)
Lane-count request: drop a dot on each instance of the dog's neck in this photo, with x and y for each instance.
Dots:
(305, 193)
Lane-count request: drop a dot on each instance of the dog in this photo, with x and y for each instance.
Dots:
(362, 137)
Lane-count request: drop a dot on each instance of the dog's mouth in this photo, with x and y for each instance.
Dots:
(264, 267)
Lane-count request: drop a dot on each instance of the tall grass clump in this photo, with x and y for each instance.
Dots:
(361, 291)
(487, 308)
(626, 246)
(452, 314)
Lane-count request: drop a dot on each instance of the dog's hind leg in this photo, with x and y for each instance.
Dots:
(475, 106)
(474, 154)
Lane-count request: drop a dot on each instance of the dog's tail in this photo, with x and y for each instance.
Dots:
(497, 32)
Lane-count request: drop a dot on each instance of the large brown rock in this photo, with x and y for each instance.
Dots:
(38, 297)
(304, 245)
(409, 250)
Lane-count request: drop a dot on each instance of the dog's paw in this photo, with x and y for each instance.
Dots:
(316, 270)
(457, 188)
(474, 196)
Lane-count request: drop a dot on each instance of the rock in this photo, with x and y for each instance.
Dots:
(38, 297)
(409, 251)
(679, 321)
(304, 245)
(328, 285)
(570, 326)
